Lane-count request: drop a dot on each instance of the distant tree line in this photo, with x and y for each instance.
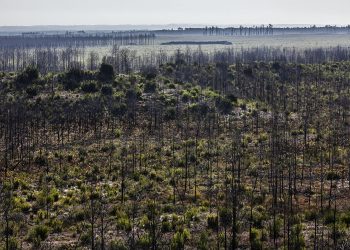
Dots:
(43, 40)
(126, 60)
(257, 30)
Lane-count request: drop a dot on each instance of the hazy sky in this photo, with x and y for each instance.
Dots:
(76, 12)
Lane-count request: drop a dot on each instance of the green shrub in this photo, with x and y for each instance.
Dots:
(225, 217)
(71, 80)
(276, 227)
(166, 225)
(106, 72)
(86, 238)
(37, 234)
(29, 75)
(89, 87)
(329, 217)
(79, 215)
(332, 176)
(297, 238)
(124, 224)
(180, 238)
(255, 237)
(13, 244)
(345, 218)
(150, 87)
(259, 216)
(107, 90)
(224, 105)
(212, 221)
(191, 214)
(117, 245)
(311, 215)
(56, 225)
(170, 113)
(203, 241)
(144, 242)
(41, 160)
(149, 72)
(119, 109)
(32, 91)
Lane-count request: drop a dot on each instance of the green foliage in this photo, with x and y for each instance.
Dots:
(311, 215)
(119, 109)
(56, 225)
(276, 227)
(150, 87)
(329, 217)
(107, 90)
(345, 218)
(180, 238)
(89, 87)
(38, 234)
(32, 91)
(106, 72)
(255, 239)
(191, 214)
(170, 113)
(144, 242)
(67, 157)
(117, 245)
(132, 94)
(86, 238)
(332, 176)
(124, 224)
(212, 221)
(149, 72)
(259, 215)
(200, 109)
(22, 205)
(71, 80)
(225, 215)
(12, 244)
(166, 224)
(41, 160)
(28, 76)
(297, 238)
(203, 241)
(224, 105)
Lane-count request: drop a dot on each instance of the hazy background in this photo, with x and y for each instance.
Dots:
(219, 12)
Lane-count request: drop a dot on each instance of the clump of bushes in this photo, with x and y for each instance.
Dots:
(86, 238)
(38, 234)
(32, 91)
(117, 245)
(170, 113)
(106, 90)
(332, 176)
(180, 238)
(149, 72)
(255, 239)
(106, 72)
(166, 225)
(212, 221)
(191, 214)
(71, 80)
(144, 242)
(28, 76)
(119, 109)
(224, 105)
(150, 87)
(89, 87)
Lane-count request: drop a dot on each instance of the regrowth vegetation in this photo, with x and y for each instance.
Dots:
(186, 154)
